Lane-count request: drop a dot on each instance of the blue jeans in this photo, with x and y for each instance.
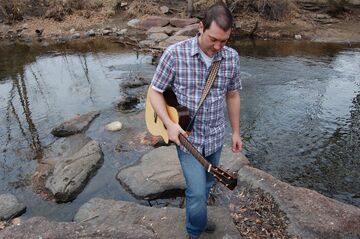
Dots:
(198, 185)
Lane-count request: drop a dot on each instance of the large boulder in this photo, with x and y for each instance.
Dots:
(70, 174)
(67, 166)
(310, 214)
(164, 222)
(158, 173)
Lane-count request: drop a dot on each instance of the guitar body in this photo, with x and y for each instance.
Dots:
(180, 115)
(177, 113)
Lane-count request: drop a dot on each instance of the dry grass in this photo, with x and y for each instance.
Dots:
(12, 10)
(269, 9)
(140, 8)
(16, 10)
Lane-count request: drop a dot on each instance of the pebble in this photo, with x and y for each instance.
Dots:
(114, 126)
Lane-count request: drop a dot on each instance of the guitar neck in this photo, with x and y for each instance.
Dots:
(186, 143)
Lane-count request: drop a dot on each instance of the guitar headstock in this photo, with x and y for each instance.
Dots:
(228, 179)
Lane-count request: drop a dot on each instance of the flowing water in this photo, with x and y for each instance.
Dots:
(300, 113)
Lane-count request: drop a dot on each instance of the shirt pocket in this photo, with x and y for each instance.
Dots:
(222, 80)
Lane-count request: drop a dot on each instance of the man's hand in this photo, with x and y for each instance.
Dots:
(236, 143)
(174, 130)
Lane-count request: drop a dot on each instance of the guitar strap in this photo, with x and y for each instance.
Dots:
(209, 82)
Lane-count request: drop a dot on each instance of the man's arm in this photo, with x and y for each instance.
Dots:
(233, 107)
(157, 101)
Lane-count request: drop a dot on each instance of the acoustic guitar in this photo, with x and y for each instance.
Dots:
(180, 115)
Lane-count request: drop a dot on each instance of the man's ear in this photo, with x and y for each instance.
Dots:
(201, 27)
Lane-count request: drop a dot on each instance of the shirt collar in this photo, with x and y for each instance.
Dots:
(195, 48)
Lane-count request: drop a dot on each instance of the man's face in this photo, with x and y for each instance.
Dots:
(212, 39)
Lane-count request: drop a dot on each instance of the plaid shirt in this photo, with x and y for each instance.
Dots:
(182, 67)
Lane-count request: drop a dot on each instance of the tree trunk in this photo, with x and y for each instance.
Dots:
(190, 8)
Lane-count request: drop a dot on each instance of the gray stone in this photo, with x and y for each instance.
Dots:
(39, 227)
(75, 125)
(158, 173)
(75, 36)
(10, 207)
(122, 32)
(310, 214)
(164, 9)
(164, 222)
(134, 23)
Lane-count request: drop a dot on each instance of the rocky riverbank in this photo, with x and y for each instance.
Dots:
(308, 20)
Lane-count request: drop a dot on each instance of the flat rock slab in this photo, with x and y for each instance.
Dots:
(164, 222)
(75, 125)
(158, 174)
(38, 227)
(311, 215)
(10, 207)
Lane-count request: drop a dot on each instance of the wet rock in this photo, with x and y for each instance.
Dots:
(114, 126)
(310, 214)
(164, 222)
(158, 174)
(70, 174)
(75, 125)
(90, 33)
(128, 103)
(154, 21)
(39, 227)
(122, 32)
(10, 207)
(183, 22)
(190, 30)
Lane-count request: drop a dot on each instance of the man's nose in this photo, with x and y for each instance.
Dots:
(217, 46)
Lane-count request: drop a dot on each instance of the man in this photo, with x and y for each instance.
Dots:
(184, 67)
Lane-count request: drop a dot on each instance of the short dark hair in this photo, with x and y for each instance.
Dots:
(220, 14)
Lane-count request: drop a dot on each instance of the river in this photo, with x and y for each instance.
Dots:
(300, 114)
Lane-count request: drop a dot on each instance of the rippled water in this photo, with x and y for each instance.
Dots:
(300, 115)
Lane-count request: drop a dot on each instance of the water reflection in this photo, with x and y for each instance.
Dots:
(41, 87)
(299, 116)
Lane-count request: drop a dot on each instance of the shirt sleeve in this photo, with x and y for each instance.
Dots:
(164, 74)
(235, 82)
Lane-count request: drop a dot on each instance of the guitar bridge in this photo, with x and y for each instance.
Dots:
(155, 117)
